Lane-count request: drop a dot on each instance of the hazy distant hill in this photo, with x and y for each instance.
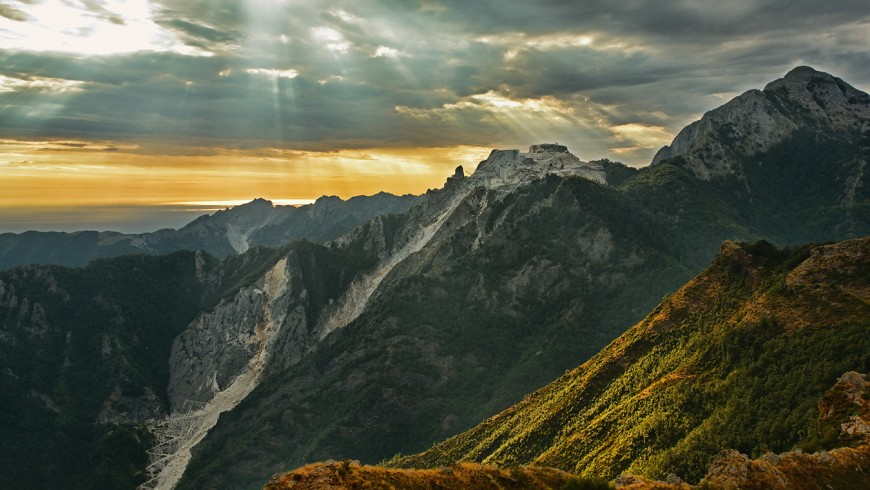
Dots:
(223, 233)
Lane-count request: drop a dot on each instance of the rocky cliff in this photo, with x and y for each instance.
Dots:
(83, 356)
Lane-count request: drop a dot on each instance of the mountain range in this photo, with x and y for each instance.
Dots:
(227, 232)
(742, 357)
(414, 327)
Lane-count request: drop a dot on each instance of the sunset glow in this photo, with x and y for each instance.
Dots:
(148, 102)
(49, 176)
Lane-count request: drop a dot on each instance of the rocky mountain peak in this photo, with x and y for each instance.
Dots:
(804, 71)
(325, 200)
(548, 148)
(509, 168)
(823, 97)
(756, 121)
(259, 202)
(803, 76)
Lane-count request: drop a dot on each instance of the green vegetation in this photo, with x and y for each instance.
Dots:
(807, 158)
(736, 359)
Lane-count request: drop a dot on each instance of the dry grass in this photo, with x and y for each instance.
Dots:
(839, 468)
(352, 475)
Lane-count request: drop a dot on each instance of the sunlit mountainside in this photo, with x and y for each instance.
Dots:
(740, 358)
(522, 276)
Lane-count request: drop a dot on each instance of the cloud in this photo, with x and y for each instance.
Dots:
(13, 13)
(611, 79)
(198, 35)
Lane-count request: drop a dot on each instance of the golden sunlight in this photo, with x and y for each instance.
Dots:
(71, 173)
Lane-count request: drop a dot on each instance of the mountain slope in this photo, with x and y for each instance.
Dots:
(738, 358)
(83, 356)
(86, 352)
(485, 290)
(227, 232)
(444, 339)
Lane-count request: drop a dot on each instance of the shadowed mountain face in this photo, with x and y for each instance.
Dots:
(738, 358)
(227, 232)
(413, 327)
(85, 352)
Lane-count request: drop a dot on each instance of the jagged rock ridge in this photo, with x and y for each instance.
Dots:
(217, 347)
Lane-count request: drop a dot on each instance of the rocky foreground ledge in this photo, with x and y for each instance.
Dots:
(842, 468)
(350, 474)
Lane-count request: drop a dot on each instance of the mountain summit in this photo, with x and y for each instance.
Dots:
(510, 168)
(804, 101)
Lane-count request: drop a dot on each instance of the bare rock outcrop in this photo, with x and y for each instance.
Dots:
(758, 120)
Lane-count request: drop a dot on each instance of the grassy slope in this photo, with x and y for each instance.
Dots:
(736, 359)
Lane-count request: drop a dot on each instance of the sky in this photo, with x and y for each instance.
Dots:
(135, 114)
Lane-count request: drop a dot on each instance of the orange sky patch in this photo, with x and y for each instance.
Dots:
(48, 174)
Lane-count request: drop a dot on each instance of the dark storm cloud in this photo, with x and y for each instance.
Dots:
(135, 68)
(227, 13)
(99, 9)
(329, 75)
(664, 18)
(194, 30)
(12, 13)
